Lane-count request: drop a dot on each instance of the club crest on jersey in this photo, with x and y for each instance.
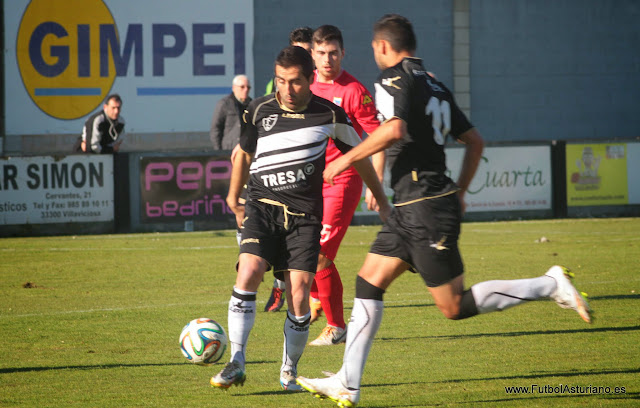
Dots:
(269, 122)
(337, 100)
(390, 82)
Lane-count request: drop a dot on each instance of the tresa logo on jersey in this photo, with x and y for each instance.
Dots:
(287, 179)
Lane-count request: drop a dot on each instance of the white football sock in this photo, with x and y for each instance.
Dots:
(496, 295)
(366, 317)
(241, 317)
(296, 334)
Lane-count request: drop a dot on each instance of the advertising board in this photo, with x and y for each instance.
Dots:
(169, 61)
(47, 189)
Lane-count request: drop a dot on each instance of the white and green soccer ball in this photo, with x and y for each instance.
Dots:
(203, 341)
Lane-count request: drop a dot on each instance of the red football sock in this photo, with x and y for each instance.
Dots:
(330, 295)
(314, 289)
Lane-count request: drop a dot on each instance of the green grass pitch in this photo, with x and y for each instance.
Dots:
(93, 321)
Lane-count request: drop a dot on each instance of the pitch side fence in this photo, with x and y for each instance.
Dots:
(152, 192)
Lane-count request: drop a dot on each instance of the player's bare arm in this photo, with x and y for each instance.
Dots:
(378, 162)
(384, 136)
(366, 171)
(239, 176)
(474, 145)
(235, 151)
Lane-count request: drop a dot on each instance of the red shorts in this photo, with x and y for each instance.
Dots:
(340, 202)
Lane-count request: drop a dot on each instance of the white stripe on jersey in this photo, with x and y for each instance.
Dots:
(284, 149)
(299, 146)
(347, 134)
(343, 132)
(284, 160)
(257, 169)
(384, 102)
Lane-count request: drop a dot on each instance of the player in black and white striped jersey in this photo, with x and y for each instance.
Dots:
(283, 143)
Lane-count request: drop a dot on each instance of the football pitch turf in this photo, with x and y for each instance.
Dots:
(93, 321)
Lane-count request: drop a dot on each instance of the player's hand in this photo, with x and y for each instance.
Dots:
(385, 211)
(240, 216)
(372, 203)
(335, 168)
(238, 209)
(463, 204)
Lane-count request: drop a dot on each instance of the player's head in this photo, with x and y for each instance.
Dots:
(112, 106)
(240, 87)
(327, 33)
(328, 51)
(293, 77)
(392, 34)
(301, 37)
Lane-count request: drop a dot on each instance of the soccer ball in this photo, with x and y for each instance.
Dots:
(203, 341)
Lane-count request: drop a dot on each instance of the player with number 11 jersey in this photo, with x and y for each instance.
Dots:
(421, 234)
(417, 162)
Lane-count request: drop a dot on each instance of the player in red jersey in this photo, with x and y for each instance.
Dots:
(341, 199)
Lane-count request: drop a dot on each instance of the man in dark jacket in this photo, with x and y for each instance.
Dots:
(225, 126)
(104, 130)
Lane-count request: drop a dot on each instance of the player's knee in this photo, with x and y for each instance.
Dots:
(462, 308)
(451, 311)
(365, 290)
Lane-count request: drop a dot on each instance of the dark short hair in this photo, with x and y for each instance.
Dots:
(300, 35)
(397, 30)
(293, 56)
(328, 33)
(115, 97)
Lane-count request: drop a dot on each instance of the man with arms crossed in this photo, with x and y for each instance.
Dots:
(283, 144)
(421, 235)
(342, 197)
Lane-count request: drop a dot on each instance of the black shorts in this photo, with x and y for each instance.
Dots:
(294, 248)
(425, 235)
